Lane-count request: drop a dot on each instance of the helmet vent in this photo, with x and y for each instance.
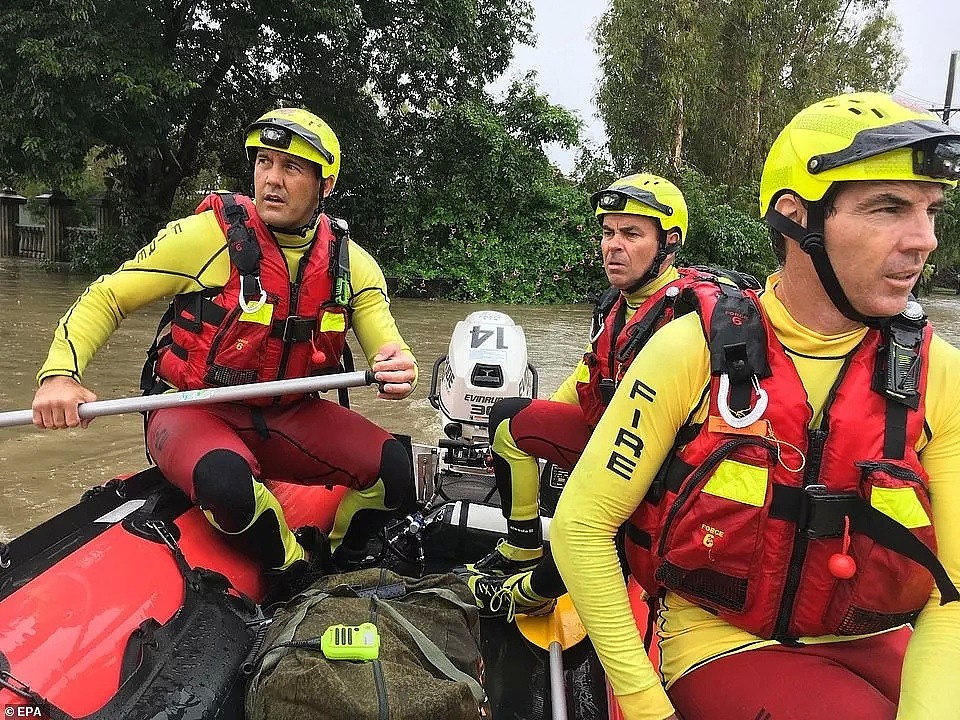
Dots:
(856, 111)
(877, 113)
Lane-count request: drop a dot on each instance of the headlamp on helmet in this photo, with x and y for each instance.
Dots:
(934, 156)
(296, 132)
(614, 199)
(938, 160)
(275, 137)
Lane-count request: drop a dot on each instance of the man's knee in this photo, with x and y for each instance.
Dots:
(223, 484)
(505, 410)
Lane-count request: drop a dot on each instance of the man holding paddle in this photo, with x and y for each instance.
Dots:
(264, 289)
(785, 464)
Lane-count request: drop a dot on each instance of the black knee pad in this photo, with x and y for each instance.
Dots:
(396, 471)
(223, 484)
(504, 410)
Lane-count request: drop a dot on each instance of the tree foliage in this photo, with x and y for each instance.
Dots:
(169, 85)
(710, 84)
(488, 209)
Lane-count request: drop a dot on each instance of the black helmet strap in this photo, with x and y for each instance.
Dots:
(663, 249)
(811, 241)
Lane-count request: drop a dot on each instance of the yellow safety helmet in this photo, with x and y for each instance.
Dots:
(297, 132)
(859, 136)
(644, 194)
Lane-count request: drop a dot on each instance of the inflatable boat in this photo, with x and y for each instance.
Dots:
(130, 606)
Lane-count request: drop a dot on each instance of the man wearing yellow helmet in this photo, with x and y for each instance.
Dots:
(780, 478)
(643, 219)
(264, 289)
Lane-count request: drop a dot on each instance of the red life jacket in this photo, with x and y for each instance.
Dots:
(745, 521)
(615, 342)
(300, 330)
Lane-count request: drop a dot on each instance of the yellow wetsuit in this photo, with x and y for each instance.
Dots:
(188, 255)
(596, 501)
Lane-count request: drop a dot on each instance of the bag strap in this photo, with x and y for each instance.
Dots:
(271, 658)
(432, 653)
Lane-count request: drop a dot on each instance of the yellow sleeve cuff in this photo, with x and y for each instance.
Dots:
(649, 704)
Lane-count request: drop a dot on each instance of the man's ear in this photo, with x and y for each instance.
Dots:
(328, 185)
(673, 238)
(791, 207)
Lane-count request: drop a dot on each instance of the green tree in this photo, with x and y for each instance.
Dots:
(946, 258)
(709, 84)
(169, 86)
(722, 232)
(488, 210)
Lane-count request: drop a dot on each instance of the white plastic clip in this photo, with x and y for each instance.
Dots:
(256, 305)
(740, 421)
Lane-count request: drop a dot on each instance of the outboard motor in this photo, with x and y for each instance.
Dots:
(486, 361)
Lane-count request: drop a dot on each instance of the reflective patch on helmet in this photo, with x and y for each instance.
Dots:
(262, 315)
(333, 322)
(901, 504)
(739, 482)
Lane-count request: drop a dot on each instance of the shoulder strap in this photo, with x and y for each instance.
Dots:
(897, 373)
(340, 261)
(737, 339)
(601, 309)
(242, 243)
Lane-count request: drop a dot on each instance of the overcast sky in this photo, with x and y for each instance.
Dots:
(567, 67)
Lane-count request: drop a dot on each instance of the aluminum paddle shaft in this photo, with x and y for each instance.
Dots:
(231, 393)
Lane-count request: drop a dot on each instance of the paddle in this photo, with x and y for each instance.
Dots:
(231, 393)
(555, 632)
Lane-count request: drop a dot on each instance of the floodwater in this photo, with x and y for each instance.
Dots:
(45, 472)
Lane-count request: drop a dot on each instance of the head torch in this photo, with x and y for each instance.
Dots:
(275, 137)
(278, 133)
(935, 146)
(615, 199)
(938, 159)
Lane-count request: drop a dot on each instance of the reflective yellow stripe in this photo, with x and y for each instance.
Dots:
(333, 322)
(901, 504)
(262, 316)
(739, 482)
(266, 502)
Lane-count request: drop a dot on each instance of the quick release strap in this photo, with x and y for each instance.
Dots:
(819, 518)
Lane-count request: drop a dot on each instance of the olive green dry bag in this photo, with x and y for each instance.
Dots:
(428, 665)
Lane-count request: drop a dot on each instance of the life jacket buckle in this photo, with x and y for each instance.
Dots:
(298, 329)
(823, 514)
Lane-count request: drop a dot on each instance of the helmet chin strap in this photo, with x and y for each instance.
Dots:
(303, 230)
(663, 249)
(812, 243)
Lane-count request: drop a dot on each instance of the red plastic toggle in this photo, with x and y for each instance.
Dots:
(840, 564)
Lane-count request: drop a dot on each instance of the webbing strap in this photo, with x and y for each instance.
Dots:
(790, 503)
(431, 652)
